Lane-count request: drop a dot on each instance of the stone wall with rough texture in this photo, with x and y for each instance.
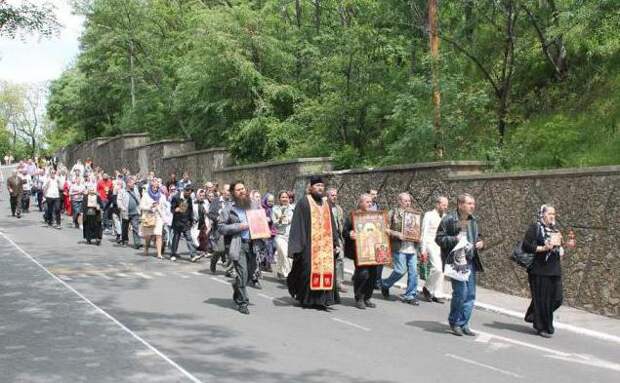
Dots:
(200, 164)
(587, 200)
(273, 176)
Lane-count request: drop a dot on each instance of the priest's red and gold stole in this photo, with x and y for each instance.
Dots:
(321, 247)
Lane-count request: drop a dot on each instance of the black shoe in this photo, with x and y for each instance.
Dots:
(369, 304)
(244, 310)
(456, 330)
(544, 334)
(88, 241)
(438, 300)
(385, 291)
(467, 331)
(529, 319)
(426, 294)
(257, 285)
(360, 305)
(98, 243)
(213, 265)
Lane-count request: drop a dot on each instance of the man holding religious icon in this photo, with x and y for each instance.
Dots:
(404, 236)
(365, 273)
(233, 224)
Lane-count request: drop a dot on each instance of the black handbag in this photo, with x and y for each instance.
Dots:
(521, 258)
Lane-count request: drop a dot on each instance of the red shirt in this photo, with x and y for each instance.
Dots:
(104, 187)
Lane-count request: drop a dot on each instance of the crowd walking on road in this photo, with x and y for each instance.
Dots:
(302, 243)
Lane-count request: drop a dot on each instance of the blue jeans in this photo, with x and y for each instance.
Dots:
(400, 262)
(463, 296)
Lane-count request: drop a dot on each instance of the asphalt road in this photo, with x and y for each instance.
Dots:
(78, 313)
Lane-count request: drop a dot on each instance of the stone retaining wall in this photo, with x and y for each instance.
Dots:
(587, 200)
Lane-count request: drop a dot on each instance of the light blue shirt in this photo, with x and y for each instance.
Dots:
(243, 218)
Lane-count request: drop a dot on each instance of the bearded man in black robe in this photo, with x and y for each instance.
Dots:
(312, 244)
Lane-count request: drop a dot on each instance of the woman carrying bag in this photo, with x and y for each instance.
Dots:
(544, 240)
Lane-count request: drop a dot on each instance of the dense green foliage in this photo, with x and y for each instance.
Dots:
(524, 83)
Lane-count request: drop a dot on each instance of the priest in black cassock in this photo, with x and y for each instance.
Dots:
(312, 278)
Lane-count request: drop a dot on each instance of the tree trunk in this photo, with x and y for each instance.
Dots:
(434, 46)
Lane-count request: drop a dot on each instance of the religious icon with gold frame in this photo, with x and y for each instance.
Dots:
(257, 221)
(411, 226)
(372, 243)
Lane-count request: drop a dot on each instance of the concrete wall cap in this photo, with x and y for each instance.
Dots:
(275, 163)
(569, 172)
(416, 166)
(162, 142)
(210, 150)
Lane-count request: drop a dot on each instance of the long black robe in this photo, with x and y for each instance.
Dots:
(92, 225)
(298, 280)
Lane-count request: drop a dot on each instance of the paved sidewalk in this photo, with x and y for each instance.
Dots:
(566, 317)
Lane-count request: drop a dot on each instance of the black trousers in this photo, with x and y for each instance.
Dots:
(134, 221)
(364, 279)
(26, 200)
(16, 205)
(245, 267)
(546, 298)
(40, 199)
(53, 211)
(188, 240)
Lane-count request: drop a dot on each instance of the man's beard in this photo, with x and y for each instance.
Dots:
(317, 195)
(243, 202)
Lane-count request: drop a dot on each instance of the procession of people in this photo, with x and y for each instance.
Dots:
(301, 243)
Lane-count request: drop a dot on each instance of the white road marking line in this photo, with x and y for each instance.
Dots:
(103, 275)
(181, 275)
(546, 350)
(197, 273)
(351, 324)
(465, 360)
(104, 313)
(556, 324)
(159, 274)
(220, 280)
(483, 338)
(82, 275)
(587, 360)
(143, 275)
(520, 315)
(122, 275)
(265, 296)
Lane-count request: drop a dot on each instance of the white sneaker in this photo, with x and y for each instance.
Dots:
(173, 258)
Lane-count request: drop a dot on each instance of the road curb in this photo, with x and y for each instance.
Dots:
(516, 314)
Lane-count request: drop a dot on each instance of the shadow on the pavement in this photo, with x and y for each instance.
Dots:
(226, 303)
(522, 328)
(429, 326)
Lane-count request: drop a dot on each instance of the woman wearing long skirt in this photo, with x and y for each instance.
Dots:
(92, 208)
(543, 239)
(152, 205)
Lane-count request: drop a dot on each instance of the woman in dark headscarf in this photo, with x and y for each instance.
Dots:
(543, 239)
(92, 208)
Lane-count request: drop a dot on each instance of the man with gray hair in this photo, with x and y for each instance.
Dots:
(15, 186)
(433, 289)
(454, 227)
(404, 254)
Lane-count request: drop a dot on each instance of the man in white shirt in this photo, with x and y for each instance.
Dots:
(433, 290)
(51, 190)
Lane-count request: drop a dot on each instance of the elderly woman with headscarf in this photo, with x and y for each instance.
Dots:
(92, 210)
(152, 205)
(543, 239)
